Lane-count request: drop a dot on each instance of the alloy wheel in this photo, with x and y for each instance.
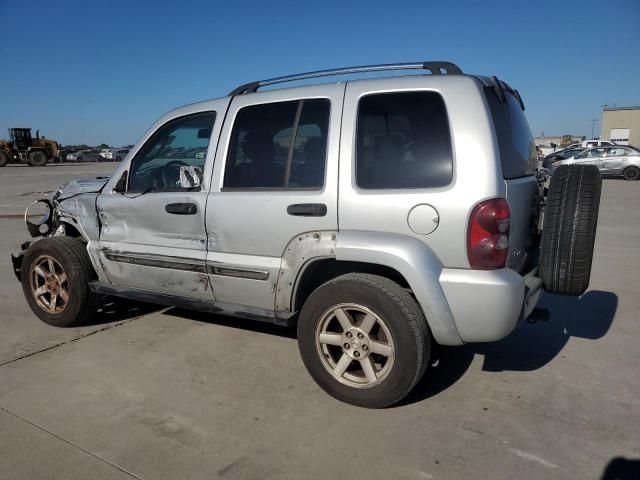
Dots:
(49, 285)
(355, 345)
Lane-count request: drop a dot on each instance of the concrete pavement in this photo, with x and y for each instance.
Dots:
(174, 394)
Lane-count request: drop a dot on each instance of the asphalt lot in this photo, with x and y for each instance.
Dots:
(168, 394)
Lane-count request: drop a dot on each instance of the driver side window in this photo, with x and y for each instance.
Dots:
(178, 144)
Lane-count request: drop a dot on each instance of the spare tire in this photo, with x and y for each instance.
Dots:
(569, 230)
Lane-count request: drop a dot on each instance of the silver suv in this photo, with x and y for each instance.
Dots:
(380, 214)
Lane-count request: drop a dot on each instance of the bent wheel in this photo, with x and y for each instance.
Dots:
(55, 280)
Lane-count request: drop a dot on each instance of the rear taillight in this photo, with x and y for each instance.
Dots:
(488, 236)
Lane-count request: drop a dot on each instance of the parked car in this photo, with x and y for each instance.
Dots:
(338, 207)
(117, 154)
(103, 153)
(597, 143)
(560, 155)
(84, 156)
(616, 161)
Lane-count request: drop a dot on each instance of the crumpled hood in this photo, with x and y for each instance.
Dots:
(76, 187)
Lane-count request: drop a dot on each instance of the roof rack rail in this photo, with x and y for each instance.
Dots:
(436, 68)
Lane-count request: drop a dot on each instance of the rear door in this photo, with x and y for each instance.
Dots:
(274, 181)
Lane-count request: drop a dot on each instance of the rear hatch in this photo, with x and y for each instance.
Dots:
(518, 158)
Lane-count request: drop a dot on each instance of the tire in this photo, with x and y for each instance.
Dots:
(569, 230)
(37, 158)
(4, 159)
(79, 159)
(399, 341)
(70, 257)
(118, 159)
(629, 173)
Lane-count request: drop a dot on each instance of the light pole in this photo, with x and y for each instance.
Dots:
(593, 125)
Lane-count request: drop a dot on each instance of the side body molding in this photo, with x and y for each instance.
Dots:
(417, 264)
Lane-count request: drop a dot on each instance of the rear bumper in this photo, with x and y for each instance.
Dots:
(487, 304)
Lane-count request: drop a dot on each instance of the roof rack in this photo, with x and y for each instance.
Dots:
(436, 68)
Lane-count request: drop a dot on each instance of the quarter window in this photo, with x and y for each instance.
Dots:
(279, 145)
(178, 145)
(403, 141)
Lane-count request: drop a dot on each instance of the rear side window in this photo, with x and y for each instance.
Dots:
(403, 141)
(517, 148)
(280, 145)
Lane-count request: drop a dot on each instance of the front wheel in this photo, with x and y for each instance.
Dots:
(631, 173)
(55, 279)
(364, 340)
(4, 159)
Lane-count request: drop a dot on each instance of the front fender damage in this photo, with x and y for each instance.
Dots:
(70, 211)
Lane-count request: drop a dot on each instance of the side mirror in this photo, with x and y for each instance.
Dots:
(121, 185)
(190, 177)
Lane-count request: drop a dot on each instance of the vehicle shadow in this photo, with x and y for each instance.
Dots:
(116, 310)
(529, 347)
(620, 468)
(234, 322)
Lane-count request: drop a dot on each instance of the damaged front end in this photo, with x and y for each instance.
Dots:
(71, 211)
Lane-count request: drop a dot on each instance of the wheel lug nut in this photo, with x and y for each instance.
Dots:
(347, 346)
(356, 354)
(349, 334)
(360, 335)
(365, 348)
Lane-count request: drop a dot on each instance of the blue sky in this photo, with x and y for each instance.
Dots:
(103, 71)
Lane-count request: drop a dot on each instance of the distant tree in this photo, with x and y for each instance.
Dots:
(104, 145)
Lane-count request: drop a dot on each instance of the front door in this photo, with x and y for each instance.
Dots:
(152, 234)
(593, 156)
(274, 181)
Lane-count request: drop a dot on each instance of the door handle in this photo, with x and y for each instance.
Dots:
(307, 209)
(181, 208)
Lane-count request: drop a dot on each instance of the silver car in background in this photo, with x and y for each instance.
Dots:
(84, 156)
(618, 160)
(116, 154)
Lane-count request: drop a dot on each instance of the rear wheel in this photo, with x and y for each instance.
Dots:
(55, 280)
(37, 158)
(364, 340)
(631, 173)
(4, 159)
(569, 231)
